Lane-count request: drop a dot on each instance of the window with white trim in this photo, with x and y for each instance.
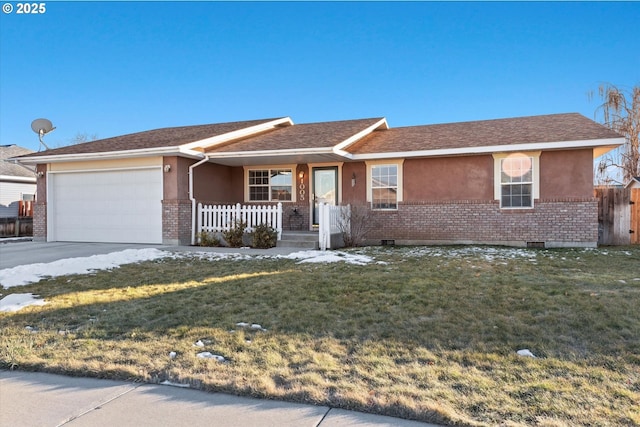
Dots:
(384, 186)
(267, 185)
(517, 179)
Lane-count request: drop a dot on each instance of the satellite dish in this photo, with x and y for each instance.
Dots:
(42, 127)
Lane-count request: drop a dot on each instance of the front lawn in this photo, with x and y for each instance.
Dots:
(426, 333)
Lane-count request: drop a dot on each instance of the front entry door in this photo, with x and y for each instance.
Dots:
(325, 188)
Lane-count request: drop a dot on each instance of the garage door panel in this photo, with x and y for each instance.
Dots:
(107, 206)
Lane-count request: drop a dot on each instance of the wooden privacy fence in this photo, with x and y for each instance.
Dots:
(21, 225)
(618, 215)
(634, 200)
(16, 227)
(217, 218)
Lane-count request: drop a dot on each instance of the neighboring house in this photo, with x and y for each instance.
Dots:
(634, 183)
(515, 181)
(17, 181)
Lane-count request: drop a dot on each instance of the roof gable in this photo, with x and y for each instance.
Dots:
(299, 137)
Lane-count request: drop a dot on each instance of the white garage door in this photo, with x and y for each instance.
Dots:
(105, 206)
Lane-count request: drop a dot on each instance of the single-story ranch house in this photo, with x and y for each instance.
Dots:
(517, 181)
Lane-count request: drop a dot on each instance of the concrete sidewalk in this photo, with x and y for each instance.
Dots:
(39, 399)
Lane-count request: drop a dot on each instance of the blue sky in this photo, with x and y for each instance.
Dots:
(111, 68)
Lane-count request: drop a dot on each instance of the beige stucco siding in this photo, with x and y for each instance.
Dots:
(218, 183)
(448, 178)
(106, 164)
(566, 174)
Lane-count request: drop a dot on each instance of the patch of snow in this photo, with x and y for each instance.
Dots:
(209, 355)
(15, 302)
(329, 257)
(487, 253)
(33, 273)
(242, 324)
(526, 353)
(199, 343)
(172, 355)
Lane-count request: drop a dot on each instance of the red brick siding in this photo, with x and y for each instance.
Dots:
(40, 221)
(559, 221)
(176, 222)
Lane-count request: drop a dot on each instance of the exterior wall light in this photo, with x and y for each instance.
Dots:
(167, 168)
(40, 174)
(353, 180)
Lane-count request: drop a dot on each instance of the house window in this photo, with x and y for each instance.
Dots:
(384, 185)
(267, 185)
(517, 179)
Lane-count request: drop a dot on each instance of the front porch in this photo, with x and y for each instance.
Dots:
(333, 223)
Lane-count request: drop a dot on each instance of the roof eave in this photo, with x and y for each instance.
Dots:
(270, 153)
(21, 179)
(111, 155)
(604, 145)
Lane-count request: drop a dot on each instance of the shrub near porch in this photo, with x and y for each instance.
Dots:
(422, 333)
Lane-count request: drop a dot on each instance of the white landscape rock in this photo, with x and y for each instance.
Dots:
(15, 302)
(172, 355)
(525, 353)
(209, 355)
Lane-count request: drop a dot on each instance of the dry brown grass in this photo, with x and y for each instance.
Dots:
(424, 333)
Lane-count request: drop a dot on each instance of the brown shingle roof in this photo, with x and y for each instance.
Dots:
(521, 130)
(157, 138)
(311, 135)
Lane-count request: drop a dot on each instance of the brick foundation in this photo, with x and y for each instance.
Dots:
(176, 222)
(562, 222)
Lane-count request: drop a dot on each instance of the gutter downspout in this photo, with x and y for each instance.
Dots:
(193, 199)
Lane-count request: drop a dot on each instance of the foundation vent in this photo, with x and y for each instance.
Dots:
(538, 245)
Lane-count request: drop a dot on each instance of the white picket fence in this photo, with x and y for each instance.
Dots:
(332, 220)
(216, 218)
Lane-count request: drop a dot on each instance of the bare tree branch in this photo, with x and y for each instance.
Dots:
(620, 111)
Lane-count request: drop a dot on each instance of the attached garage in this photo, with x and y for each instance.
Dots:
(115, 206)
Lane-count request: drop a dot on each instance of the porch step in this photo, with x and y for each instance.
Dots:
(299, 239)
